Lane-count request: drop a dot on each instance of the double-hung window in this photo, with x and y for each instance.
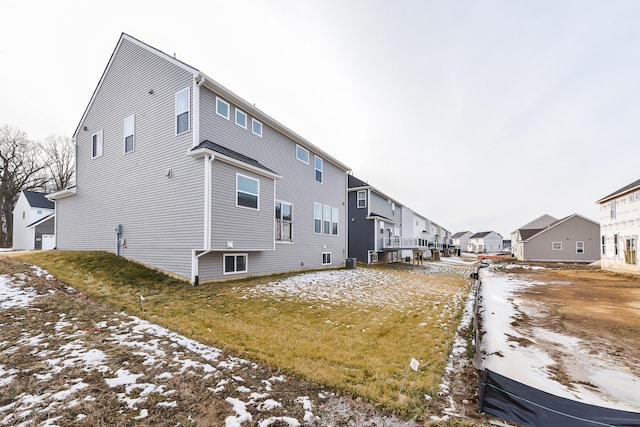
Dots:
(129, 132)
(317, 218)
(326, 219)
(222, 108)
(247, 191)
(183, 105)
(235, 263)
(241, 118)
(96, 144)
(579, 247)
(319, 168)
(612, 209)
(256, 127)
(362, 199)
(284, 221)
(334, 221)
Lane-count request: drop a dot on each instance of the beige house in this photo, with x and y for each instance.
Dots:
(570, 239)
(620, 228)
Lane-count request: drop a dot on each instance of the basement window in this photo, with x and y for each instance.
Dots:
(235, 263)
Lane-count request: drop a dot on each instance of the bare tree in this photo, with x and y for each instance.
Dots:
(21, 168)
(59, 157)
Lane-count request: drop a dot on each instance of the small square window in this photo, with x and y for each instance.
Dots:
(556, 246)
(256, 127)
(222, 108)
(241, 118)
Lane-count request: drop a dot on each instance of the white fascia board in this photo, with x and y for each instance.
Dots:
(61, 194)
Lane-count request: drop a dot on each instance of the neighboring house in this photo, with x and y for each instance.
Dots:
(485, 242)
(374, 222)
(570, 239)
(178, 172)
(460, 239)
(620, 229)
(382, 229)
(33, 222)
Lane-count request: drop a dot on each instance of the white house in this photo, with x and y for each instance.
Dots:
(461, 239)
(33, 222)
(620, 228)
(484, 242)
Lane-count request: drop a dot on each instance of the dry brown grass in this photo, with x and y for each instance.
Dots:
(361, 350)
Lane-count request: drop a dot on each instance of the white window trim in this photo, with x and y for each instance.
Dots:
(290, 204)
(326, 214)
(578, 243)
(179, 112)
(220, 100)
(553, 246)
(335, 219)
(133, 134)
(298, 149)
(244, 192)
(253, 122)
(246, 118)
(246, 264)
(99, 144)
(364, 199)
(316, 170)
(330, 260)
(315, 205)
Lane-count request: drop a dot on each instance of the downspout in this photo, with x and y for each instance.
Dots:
(208, 162)
(198, 80)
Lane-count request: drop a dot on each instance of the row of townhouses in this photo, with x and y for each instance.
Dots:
(175, 171)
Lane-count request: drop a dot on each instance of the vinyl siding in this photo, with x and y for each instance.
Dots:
(361, 230)
(162, 217)
(297, 186)
(539, 248)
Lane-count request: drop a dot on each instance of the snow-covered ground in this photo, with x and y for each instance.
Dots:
(142, 368)
(615, 387)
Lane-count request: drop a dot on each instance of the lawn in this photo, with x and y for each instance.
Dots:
(352, 330)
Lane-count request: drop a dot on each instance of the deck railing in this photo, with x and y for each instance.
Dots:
(408, 243)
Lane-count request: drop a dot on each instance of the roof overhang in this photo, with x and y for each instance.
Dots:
(207, 152)
(61, 194)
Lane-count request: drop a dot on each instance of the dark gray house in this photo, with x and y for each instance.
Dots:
(33, 222)
(176, 171)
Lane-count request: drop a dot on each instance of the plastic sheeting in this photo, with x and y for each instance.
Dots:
(513, 401)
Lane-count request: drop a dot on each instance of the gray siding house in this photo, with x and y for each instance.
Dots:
(177, 172)
(570, 239)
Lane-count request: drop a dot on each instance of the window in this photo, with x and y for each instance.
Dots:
(96, 145)
(317, 218)
(247, 191)
(284, 221)
(302, 154)
(334, 221)
(612, 208)
(222, 108)
(235, 263)
(326, 258)
(241, 118)
(556, 246)
(129, 130)
(183, 103)
(393, 207)
(256, 127)
(319, 168)
(579, 247)
(602, 244)
(615, 244)
(362, 199)
(326, 219)
(381, 227)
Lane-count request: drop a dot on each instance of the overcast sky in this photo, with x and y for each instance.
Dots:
(479, 115)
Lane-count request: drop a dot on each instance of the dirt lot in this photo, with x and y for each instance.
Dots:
(598, 307)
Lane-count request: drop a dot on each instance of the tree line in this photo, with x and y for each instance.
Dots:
(27, 164)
